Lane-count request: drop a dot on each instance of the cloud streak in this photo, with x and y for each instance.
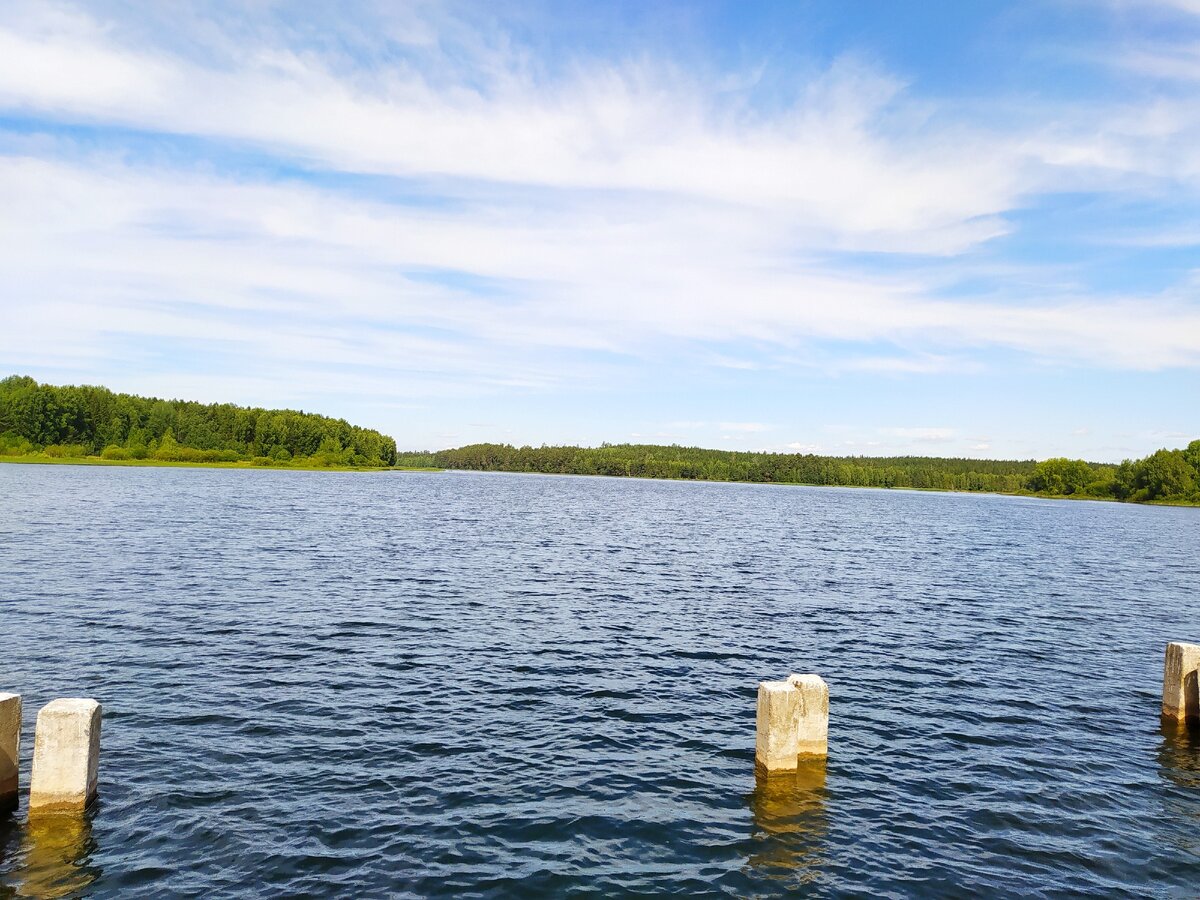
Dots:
(616, 280)
(438, 214)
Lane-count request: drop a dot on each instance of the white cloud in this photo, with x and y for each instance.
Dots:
(822, 166)
(621, 212)
(110, 250)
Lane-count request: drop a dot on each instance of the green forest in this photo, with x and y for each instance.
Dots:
(1167, 476)
(41, 422)
(78, 422)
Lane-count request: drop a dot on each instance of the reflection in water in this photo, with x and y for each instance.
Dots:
(790, 823)
(1179, 753)
(1179, 764)
(54, 859)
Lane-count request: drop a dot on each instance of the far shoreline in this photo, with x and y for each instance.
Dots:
(1021, 495)
(40, 460)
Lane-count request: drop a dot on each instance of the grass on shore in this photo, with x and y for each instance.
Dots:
(1031, 495)
(40, 459)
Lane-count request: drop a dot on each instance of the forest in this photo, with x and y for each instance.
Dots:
(84, 421)
(1167, 476)
(79, 422)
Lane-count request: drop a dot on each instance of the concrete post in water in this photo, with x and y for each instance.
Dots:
(793, 721)
(10, 750)
(1181, 693)
(66, 756)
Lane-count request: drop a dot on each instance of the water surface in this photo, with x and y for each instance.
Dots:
(387, 684)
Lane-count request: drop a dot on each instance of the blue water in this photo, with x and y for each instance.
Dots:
(469, 685)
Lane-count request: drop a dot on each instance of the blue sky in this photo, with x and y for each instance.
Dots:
(845, 227)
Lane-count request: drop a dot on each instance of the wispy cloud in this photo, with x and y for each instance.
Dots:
(97, 247)
(822, 165)
(426, 208)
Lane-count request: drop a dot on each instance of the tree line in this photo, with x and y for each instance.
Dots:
(1165, 476)
(81, 421)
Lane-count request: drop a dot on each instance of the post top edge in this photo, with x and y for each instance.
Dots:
(776, 685)
(6, 695)
(71, 704)
(1183, 645)
(808, 678)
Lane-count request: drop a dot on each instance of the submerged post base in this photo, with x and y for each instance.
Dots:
(66, 756)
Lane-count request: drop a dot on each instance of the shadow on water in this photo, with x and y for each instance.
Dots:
(790, 824)
(47, 856)
(10, 843)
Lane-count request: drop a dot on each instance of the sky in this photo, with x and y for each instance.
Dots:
(845, 227)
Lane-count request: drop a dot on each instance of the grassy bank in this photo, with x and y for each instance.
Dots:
(1031, 495)
(40, 459)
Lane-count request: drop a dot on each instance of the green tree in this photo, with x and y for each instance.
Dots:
(1192, 455)
(1060, 476)
(43, 416)
(168, 447)
(1166, 475)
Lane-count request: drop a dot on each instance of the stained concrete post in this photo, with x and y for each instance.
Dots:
(792, 721)
(1181, 693)
(10, 750)
(66, 756)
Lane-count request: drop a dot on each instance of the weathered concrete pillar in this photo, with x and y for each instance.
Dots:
(10, 750)
(813, 737)
(1181, 693)
(66, 756)
(793, 721)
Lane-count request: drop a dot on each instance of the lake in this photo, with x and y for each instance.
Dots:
(478, 685)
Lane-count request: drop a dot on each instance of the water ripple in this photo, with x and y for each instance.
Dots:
(477, 685)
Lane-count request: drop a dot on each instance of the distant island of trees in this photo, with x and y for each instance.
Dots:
(79, 422)
(41, 422)
(1167, 476)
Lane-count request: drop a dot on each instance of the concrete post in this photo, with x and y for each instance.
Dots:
(1181, 693)
(66, 756)
(10, 750)
(793, 720)
(813, 736)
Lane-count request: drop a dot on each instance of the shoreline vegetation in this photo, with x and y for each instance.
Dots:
(1166, 477)
(41, 459)
(42, 422)
(84, 425)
